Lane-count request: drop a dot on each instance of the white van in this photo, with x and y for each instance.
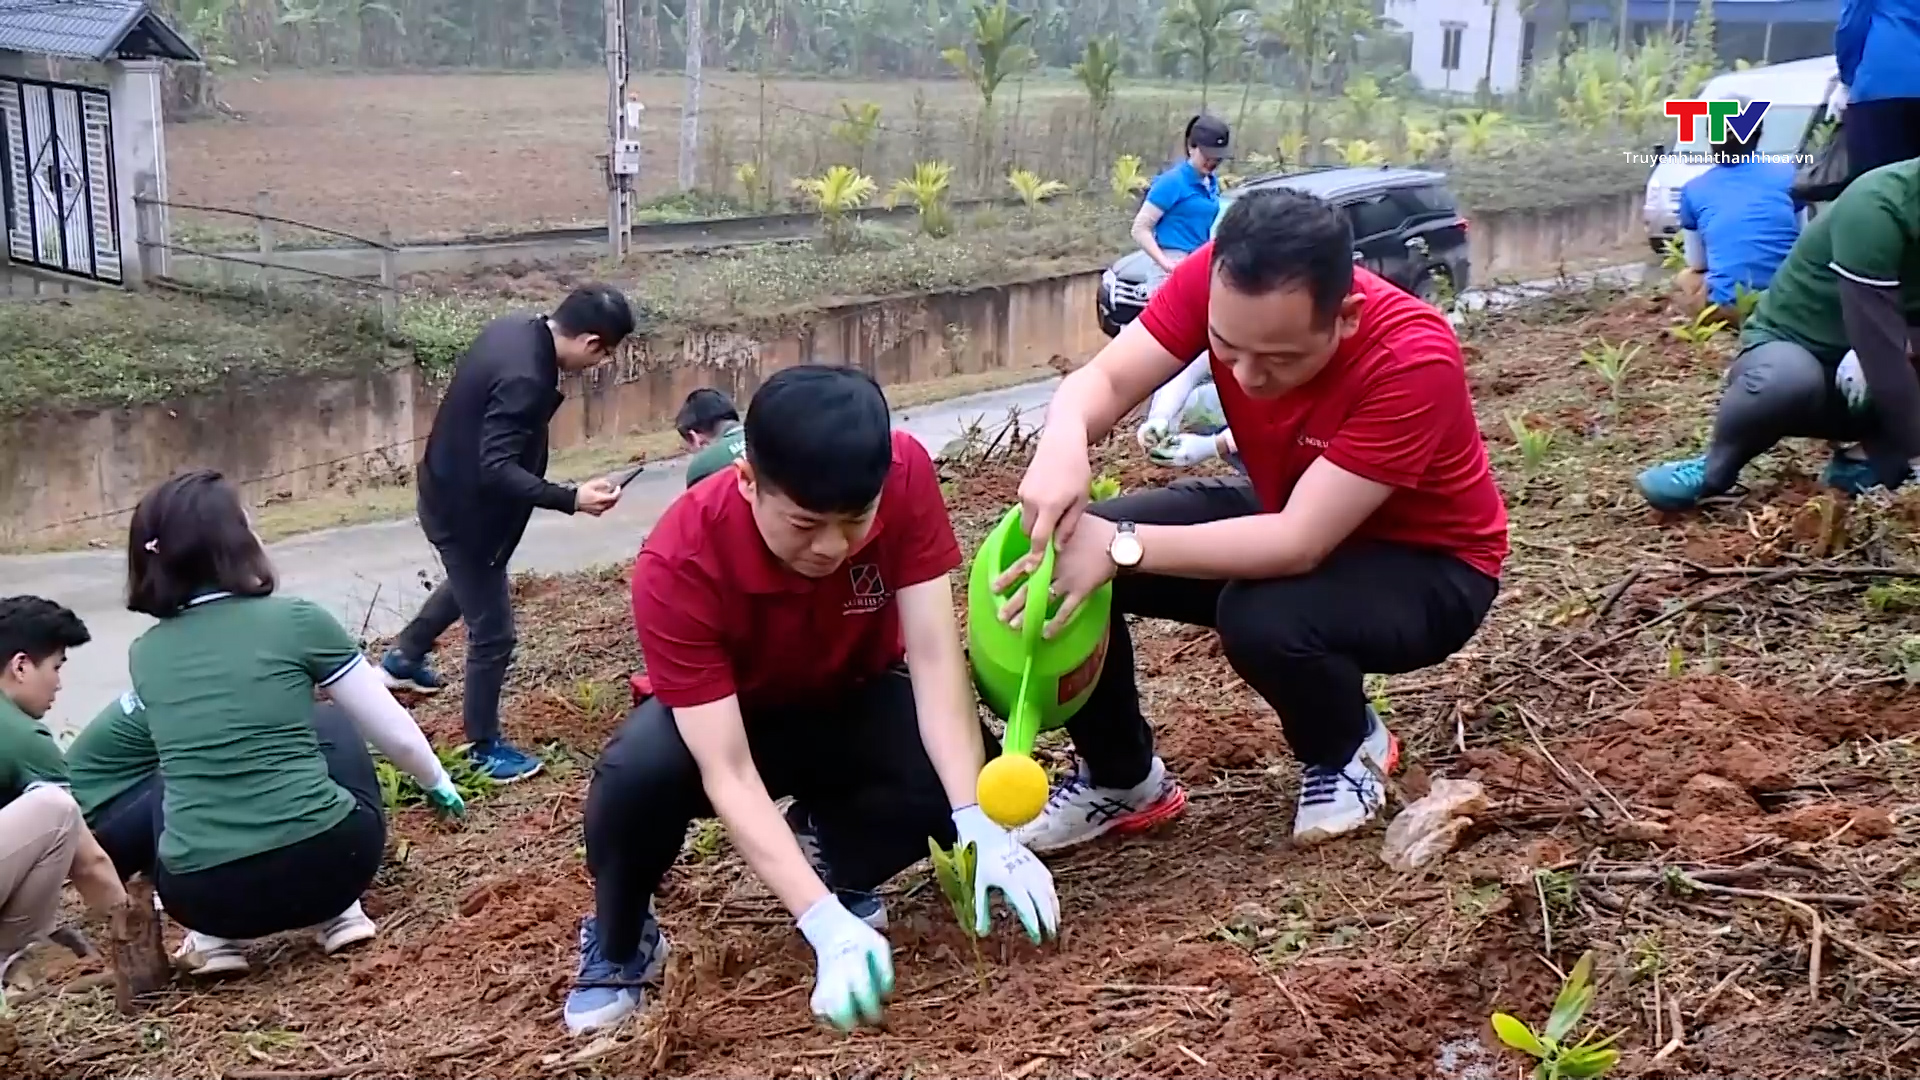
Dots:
(1797, 96)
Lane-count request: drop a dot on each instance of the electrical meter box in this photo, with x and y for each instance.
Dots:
(626, 157)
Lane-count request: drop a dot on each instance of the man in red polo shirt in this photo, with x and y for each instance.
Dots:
(796, 617)
(1367, 536)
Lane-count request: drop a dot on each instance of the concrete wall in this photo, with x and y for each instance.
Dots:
(60, 472)
(1511, 243)
(1427, 22)
(65, 472)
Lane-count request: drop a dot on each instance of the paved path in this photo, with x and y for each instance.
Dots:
(372, 574)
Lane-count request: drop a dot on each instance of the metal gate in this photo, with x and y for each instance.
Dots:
(61, 207)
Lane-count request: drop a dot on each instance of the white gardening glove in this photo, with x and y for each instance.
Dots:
(853, 972)
(1186, 450)
(1837, 101)
(1153, 433)
(1001, 863)
(1851, 381)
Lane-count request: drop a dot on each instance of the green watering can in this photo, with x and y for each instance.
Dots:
(1033, 682)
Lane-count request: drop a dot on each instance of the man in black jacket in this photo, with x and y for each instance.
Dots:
(482, 477)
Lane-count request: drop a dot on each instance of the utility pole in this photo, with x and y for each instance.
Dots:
(690, 112)
(623, 132)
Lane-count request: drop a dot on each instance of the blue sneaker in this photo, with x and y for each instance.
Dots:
(503, 761)
(1848, 475)
(866, 906)
(605, 993)
(1675, 485)
(401, 673)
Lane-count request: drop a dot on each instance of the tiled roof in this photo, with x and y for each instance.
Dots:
(90, 30)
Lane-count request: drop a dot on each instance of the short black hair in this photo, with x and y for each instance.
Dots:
(822, 436)
(189, 537)
(1281, 238)
(39, 628)
(703, 412)
(597, 309)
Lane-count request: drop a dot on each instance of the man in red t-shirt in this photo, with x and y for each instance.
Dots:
(1367, 535)
(796, 617)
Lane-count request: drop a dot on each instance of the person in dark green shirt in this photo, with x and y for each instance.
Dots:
(272, 817)
(710, 427)
(44, 841)
(1828, 354)
(114, 772)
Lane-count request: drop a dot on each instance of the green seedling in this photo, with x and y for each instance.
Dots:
(704, 843)
(1534, 443)
(1699, 331)
(595, 700)
(1746, 301)
(1590, 1056)
(1673, 255)
(1105, 486)
(1611, 362)
(955, 870)
(398, 790)
(1893, 597)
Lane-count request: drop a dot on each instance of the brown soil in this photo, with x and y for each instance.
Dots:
(459, 154)
(1641, 761)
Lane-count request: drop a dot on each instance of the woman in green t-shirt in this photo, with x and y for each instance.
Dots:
(268, 824)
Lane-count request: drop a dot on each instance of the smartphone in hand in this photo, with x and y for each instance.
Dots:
(623, 478)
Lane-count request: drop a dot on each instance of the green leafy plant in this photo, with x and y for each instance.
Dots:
(955, 870)
(856, 128)
(1356, 153)
(1590, 1056)
(927, 189)
(747, 175)
(1534, 443)
(1127, 179)
(1611, 362)
(1746, 301)
(398, 790)
(833, 195)
(1032, 190)
(1699, 331)
(1105, 486)
(1423, 144)
(1673, 255)
(1479, 131)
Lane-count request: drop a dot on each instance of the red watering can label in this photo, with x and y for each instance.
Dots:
(1080, 679)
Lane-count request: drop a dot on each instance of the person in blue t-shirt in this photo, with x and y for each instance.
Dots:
(1874, 45)
(1737, 223)
(1178, 214)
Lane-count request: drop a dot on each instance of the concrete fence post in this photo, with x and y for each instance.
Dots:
(150, 229)
(389, 281)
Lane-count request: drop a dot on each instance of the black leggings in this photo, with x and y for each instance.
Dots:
(1881, 132)
(1778, 390)
(855, 762)
(128, 827)
(303, 884)
(1303, 643)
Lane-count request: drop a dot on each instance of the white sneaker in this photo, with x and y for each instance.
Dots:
(1337, 801)
(206, 956)
(350, 927)
(1077, 811)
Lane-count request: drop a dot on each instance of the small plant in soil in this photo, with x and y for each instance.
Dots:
(1611, 362)
(1673, 255)
(397, 789)
(955, 870)
(1534, 443)
(1746, 301)
(1591, 1056)
(1128, 179)
(1700, 331)
(1105, 486)
(1032, 190)
(926, 190)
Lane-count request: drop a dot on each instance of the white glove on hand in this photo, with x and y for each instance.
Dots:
(1851, 381)
(1186, 449)
(853, 972)
(1152, 434)
(1837, 101)
(1003, 864)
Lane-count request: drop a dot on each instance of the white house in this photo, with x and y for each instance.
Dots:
(1451, 38)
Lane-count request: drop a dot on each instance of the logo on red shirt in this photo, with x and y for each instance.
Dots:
(869, 589)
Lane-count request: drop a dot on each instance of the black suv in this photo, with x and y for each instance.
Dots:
(1406, 227)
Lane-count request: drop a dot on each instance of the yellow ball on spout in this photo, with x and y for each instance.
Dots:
(1012, 790)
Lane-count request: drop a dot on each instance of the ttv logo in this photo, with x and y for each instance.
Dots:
(1741, 118)
(866, 580)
